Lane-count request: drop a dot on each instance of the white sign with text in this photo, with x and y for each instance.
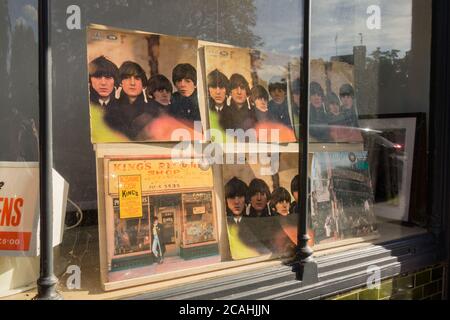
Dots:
(19, 208)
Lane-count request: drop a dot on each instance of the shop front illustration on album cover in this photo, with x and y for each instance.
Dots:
(176, 224)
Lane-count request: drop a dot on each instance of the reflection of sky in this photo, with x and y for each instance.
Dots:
(347, 18)
(279, 24)
(274, 65)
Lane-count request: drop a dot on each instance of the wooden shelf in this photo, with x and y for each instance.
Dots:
(142, 149)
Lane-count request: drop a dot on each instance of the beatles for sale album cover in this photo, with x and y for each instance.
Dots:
(142, 86)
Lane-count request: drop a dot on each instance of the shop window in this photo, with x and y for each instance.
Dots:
(145, 208)
(161, 214)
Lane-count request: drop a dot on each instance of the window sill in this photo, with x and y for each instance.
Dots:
(338, 272)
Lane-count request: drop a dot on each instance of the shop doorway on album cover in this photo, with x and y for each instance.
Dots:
(160, 218)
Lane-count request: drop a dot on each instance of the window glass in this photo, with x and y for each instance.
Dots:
(146, 216)
(139, 207)
(19, 79)
(19, 123)
(369, 88)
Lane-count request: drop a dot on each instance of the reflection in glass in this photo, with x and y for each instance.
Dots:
(263, 25)
(19, 80)
(368, 58)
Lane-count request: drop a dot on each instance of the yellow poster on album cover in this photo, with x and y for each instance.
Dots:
(130, 197)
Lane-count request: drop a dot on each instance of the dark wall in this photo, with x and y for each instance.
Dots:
(439, 188)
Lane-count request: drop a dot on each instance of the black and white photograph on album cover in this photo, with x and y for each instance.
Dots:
(341, 198)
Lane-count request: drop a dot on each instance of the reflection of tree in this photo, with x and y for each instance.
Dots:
(24, 70)
(384, 82)
(5, 33)
(20, 89)
(227, 21)
(236, 17)
(9, 150)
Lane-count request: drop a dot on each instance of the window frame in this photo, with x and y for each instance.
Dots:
(417, 251)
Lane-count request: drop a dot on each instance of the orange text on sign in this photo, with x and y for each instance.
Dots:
(10, 212)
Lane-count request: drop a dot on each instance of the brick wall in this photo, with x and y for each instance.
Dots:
(426, 284)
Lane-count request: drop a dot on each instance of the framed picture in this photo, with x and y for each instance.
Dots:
(397, 145)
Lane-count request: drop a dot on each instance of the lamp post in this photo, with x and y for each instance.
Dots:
(305, 266)
(47, 280)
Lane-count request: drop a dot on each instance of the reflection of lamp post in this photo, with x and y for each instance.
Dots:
(336, 43)
(304, 266)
